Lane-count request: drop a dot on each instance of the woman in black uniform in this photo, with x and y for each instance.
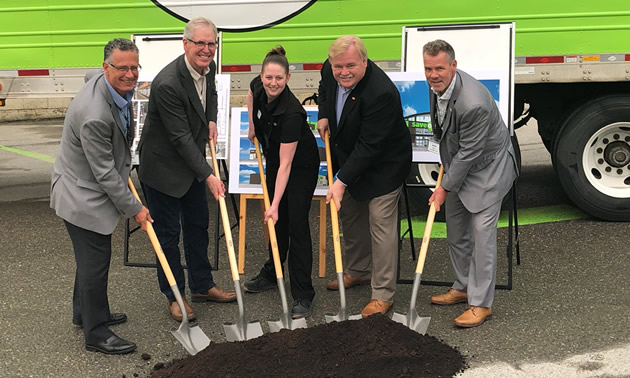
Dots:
(278, 121)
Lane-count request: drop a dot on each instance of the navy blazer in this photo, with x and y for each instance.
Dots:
(371, 145)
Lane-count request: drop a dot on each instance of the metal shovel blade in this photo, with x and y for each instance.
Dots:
(277, 325)
(343, 314)
(412, 319)
(250, 331)
(339, 317)
(285, 321)
(336, 318)
(417, 323)
(191, 337)
(241, 331)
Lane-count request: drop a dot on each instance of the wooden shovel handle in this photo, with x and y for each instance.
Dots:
(334, 216)
(270, 226)
(225, 219)
(156, 243)
(427, 229)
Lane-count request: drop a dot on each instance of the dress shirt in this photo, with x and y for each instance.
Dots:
(123, 104)
(199, 81)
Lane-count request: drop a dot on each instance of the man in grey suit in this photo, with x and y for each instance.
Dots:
(89, 188)
(173, 169)
(479, 169)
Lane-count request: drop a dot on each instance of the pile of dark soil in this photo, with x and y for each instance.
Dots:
(372, 347)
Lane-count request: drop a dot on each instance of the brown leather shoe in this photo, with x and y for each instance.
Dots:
(348, 281)
(451, 297)
(216, 294)
(473, 316)
(176, 311)
(376, 306)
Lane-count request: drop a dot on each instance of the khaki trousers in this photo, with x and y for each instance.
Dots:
(370, 234)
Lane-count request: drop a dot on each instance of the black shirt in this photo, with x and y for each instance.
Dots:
(282, 121)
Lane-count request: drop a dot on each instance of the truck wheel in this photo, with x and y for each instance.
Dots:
(592, 157)
(427, 174)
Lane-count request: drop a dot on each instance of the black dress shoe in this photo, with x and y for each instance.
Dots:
(113, 345)
(114, 318)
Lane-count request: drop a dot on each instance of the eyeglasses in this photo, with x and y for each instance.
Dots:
(124, 69)
(202, 44)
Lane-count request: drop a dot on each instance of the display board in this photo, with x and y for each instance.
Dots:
(485, 51)
(156, 51)
(141, 106)
(414, 96)
(244, 172)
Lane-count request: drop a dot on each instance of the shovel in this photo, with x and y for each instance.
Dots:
(412, 319)
(191, 337)
(285, 320)
(241, 330)
(334, 220)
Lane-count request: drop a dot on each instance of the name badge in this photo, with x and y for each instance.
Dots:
(434, 146)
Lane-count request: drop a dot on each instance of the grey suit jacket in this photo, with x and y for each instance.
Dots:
(89, 179)
(476, 150)
(175, 134)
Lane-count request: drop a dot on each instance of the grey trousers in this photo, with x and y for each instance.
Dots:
(370, 234)
(472, 244)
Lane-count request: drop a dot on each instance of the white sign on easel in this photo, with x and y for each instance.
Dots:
(485, 51)
(156, 51)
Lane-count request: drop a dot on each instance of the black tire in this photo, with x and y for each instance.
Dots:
(517, 151)
(592, 157)
(423, 174)
(517, 155)
(427, 174)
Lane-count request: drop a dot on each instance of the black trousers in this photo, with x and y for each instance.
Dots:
(187, 215)
(293, 229)
(92, 252)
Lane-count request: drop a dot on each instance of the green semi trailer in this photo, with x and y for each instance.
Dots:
(571, 73)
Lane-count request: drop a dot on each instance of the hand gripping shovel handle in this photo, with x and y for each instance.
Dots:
(427, 230)
(272, 230)
(412, 319)
(334, 220)
(193, 339)
(285, 321)
(334, 217)
(227, 230)
(157, 247)
(241, 331)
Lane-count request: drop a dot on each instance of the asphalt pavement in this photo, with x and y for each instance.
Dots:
(566, 314)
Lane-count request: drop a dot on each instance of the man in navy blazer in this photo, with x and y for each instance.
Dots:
(89, 188)
(371, 151)
(479, 170)
(173, 169)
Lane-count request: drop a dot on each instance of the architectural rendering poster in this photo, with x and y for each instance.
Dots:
(414, 95)
(141, 106)
(244, 174)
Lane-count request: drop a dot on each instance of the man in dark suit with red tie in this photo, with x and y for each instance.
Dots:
(371, 151)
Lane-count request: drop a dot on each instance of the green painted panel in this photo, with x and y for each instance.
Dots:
(67, 33)
(534, 215)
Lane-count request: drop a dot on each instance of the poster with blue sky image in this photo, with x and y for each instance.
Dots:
(244, 177)
(414, 97)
